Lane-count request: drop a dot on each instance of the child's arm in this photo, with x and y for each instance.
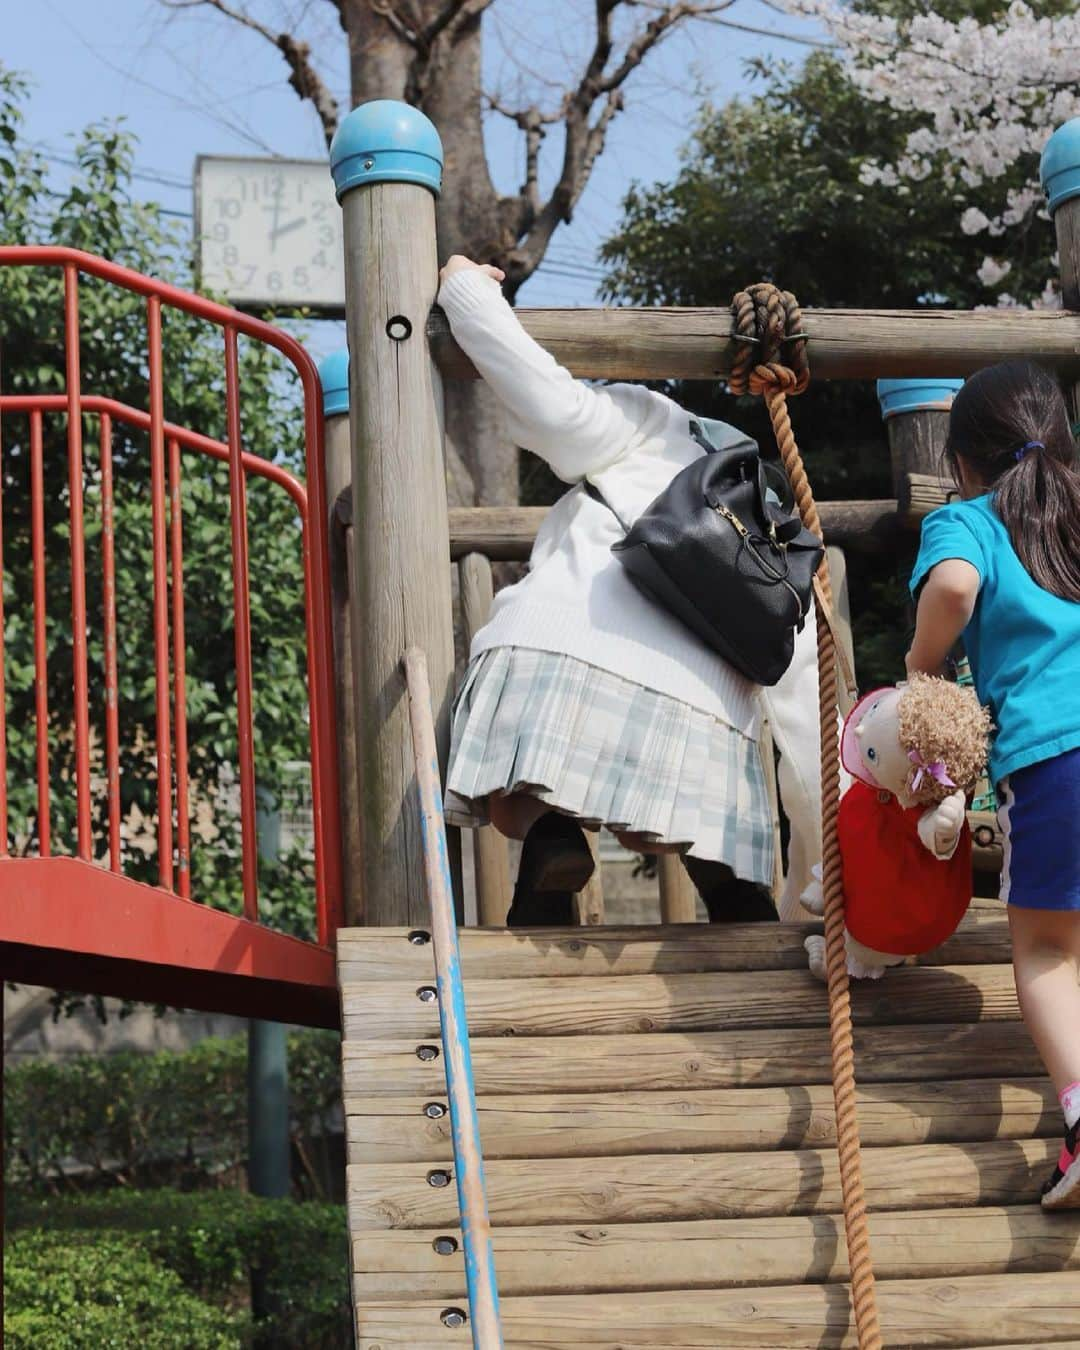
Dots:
(578, 430)
(946, 604)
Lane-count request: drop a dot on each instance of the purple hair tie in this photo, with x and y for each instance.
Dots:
(1018, 455)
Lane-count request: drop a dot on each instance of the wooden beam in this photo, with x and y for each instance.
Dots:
(638, 1004)
(660, 1188)
(368, 955)
(860, 344)
(700, 1060)
(716, 1120)
(506, 533)
(720, 1253)
(1039, 1310)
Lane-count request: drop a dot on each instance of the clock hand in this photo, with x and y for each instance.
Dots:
(277, 231)
(276, 209)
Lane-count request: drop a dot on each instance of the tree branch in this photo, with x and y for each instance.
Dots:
(585, 137)
(303, 77)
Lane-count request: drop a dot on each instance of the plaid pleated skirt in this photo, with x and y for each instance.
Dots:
(610, 752)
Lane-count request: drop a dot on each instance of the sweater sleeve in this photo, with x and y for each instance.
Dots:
(578, 430)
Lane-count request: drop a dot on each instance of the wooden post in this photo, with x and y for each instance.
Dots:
(916, 414)
(678, 898)
(490, 852)
(334, 376)
(1059, 170)
(842, 615)
(590, 900)
(386, 159)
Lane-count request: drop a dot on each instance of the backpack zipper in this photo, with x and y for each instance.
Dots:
(744, 534)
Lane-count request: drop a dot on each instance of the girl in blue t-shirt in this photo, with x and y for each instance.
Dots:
(1002, 567)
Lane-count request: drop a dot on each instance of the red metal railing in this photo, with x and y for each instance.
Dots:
(167, 442)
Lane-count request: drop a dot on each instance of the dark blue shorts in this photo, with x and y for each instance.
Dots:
(1039, 814)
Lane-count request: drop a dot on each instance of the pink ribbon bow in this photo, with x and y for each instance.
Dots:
(936, 770)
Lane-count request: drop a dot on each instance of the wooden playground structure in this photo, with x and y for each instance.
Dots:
(653, 1102)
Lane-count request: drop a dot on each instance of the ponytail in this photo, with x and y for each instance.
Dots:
(1038, 501)
(1009, 424)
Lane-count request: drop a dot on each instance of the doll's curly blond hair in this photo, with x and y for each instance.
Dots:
(944, 722)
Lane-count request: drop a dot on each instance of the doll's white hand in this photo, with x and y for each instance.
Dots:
(813, 898)
(939, 829)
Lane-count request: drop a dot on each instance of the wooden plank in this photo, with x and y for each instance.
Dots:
(583, 1124)
(648, 1188)
(649, 1003)
(721, 1253)
(1044, 1308)
(507, 533)
(854, 344)
(683, 1063)
(373, 954)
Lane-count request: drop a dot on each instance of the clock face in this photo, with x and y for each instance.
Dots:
(269, 232)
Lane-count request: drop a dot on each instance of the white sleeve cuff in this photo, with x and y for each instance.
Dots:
(467, 291)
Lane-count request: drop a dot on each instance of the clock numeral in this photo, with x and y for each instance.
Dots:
(230, 255)
(319, 209)
(229, 207)
(274, 281)
(320, 259)
(300, 277)
(220, 232)
(326, 235)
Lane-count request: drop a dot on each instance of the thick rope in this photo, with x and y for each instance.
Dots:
(770, 316)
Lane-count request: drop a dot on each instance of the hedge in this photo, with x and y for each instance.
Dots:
(152, 1118)
(84, 1271)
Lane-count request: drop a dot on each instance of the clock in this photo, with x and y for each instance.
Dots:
(268, 233)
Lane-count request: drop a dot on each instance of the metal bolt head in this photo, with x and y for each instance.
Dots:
(438, 1177)
(453, 1317)
(369, 163)
(419, 938)
(445, 1246)
(427, 993)
(434, 1110)
(427, 1053)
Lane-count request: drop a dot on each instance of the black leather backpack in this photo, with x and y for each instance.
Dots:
(722, 550)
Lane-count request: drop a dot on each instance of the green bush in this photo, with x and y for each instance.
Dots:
(207, 1247)
(166, 1117)
(68, 1293)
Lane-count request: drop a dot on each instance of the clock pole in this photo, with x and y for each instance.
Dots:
(386, 159)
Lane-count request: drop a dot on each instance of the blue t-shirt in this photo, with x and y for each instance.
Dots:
(1023, 643)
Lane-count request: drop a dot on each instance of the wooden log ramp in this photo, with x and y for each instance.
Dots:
(656, 1114)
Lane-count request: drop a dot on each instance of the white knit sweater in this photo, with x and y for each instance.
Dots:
(575, 598)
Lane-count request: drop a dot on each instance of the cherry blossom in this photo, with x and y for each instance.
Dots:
(989, 95)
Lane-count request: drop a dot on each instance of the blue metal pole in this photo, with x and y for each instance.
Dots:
(468, 1158)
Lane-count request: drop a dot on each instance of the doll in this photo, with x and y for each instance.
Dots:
(915, 751)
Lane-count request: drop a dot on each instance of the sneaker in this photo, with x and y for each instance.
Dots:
(1062, 1191)
(556, 863)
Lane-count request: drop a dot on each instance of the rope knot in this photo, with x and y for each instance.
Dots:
(774, 376)
(768, 331)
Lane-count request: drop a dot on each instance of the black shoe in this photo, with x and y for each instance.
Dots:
(727, 897)
(556, 863)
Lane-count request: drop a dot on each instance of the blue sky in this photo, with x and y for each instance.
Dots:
(191, 84)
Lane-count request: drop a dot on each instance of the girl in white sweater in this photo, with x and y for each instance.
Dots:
(585, 702)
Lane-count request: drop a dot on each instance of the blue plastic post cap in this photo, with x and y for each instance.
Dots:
(1059, 167)
(334, 378)
(386, 141)
(918, 395)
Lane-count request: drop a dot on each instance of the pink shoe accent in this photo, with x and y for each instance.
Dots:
(1070, 1103)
